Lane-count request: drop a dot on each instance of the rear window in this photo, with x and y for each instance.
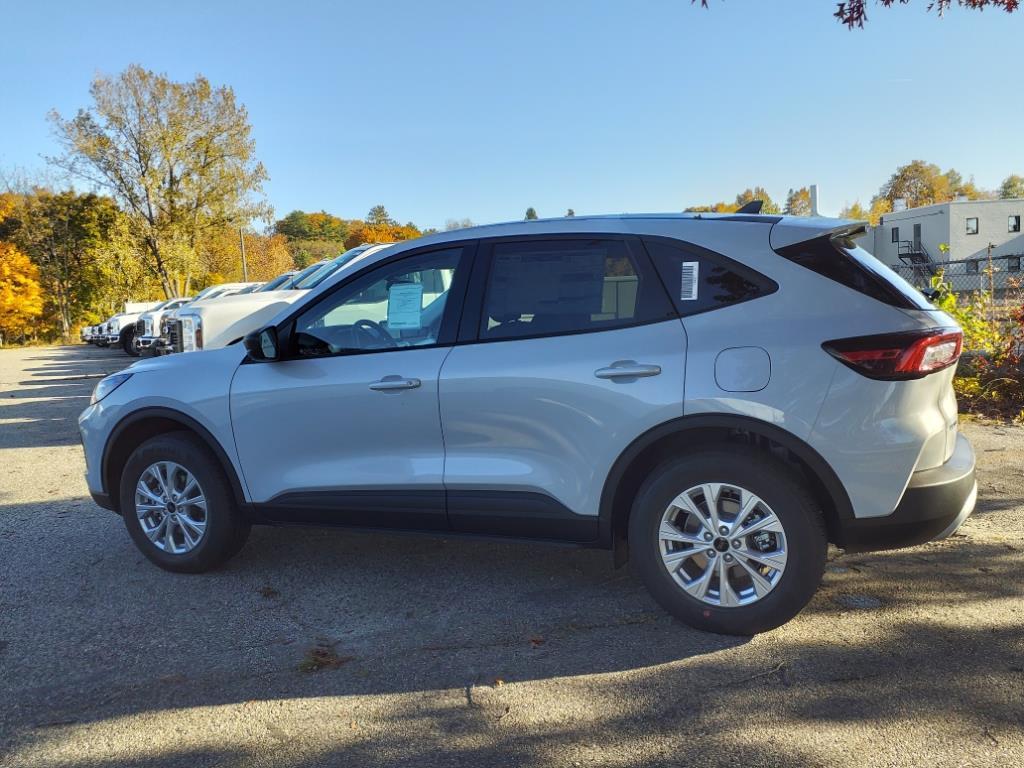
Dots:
(840, 259)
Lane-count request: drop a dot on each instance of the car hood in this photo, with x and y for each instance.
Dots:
(191, 361)
(231, 318)
(237, 298)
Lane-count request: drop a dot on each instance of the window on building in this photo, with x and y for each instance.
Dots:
(972, 267)
(895, 234)
(972, 225)
(1013, 264)
(1014, 225)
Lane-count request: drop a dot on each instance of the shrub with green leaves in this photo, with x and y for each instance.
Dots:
(990, 378)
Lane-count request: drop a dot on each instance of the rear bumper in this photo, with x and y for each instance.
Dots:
(934, 505)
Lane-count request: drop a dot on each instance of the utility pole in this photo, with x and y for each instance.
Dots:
(991, 285)
(245, 264)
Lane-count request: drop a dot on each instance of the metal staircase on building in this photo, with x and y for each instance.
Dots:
(915, 256)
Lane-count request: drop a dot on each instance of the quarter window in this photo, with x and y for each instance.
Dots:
(697, 281)
(1014, 224)
(972, 225)
(547, 287)
(397, 305)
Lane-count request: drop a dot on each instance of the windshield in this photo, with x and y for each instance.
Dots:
(313, 279)
(296, 279)
(206, 292)
(277, 282)
(330, 268)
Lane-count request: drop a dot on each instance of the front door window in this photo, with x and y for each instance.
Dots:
(398, 305)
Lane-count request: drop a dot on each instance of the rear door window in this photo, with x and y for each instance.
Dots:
(549, 287)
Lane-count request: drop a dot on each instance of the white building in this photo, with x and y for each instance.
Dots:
(960, 236)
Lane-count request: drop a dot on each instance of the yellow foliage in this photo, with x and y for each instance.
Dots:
(267, 257)
(879, 207)
(364, 232)
(8, 202)
(20, 296)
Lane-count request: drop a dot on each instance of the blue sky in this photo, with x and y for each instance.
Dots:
(480, 109)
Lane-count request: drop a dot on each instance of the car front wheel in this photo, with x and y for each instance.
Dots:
(728, 540)
(128, 343)
(178, 506)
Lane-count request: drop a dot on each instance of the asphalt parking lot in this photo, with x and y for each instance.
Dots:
(319, 647)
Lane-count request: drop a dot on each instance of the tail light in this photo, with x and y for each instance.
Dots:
(899, 356)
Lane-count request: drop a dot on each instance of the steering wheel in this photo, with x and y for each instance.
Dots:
(376, 330)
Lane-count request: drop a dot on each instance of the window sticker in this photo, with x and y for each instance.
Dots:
(688, 281)
(405, 304)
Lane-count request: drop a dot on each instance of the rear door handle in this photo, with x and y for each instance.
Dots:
(627, 369)
(392, 383)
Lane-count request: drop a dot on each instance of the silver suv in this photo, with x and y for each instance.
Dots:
(714, 397)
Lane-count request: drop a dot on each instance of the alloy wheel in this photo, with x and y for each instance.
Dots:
(722, 544)
(171, 507)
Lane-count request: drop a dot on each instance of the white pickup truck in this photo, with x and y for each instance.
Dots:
(208, 325)
(119, 330)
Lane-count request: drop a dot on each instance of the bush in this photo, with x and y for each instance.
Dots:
(990, 378)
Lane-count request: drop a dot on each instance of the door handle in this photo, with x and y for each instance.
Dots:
(392, 383)
(627, 369)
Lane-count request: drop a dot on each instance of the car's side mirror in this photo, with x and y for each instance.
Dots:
(262, 345)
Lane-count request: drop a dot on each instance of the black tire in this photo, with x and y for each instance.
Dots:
(780, 488)
(226, 529)
(128, 341)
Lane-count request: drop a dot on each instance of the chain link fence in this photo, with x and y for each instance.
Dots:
(1001, 276)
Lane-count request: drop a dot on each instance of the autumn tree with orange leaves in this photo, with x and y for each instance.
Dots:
(21, 300)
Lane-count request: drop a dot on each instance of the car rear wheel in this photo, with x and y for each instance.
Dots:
(728, 540)
(178, 506)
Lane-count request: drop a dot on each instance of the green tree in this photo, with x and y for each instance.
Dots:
(178, 157)
(294, 226)
(530, 214)
(379, 217)
(570, 213)
(453, 224)
(63, 233)
(798, 202)
(960, 188)
(314, 236)
(1012, 187)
